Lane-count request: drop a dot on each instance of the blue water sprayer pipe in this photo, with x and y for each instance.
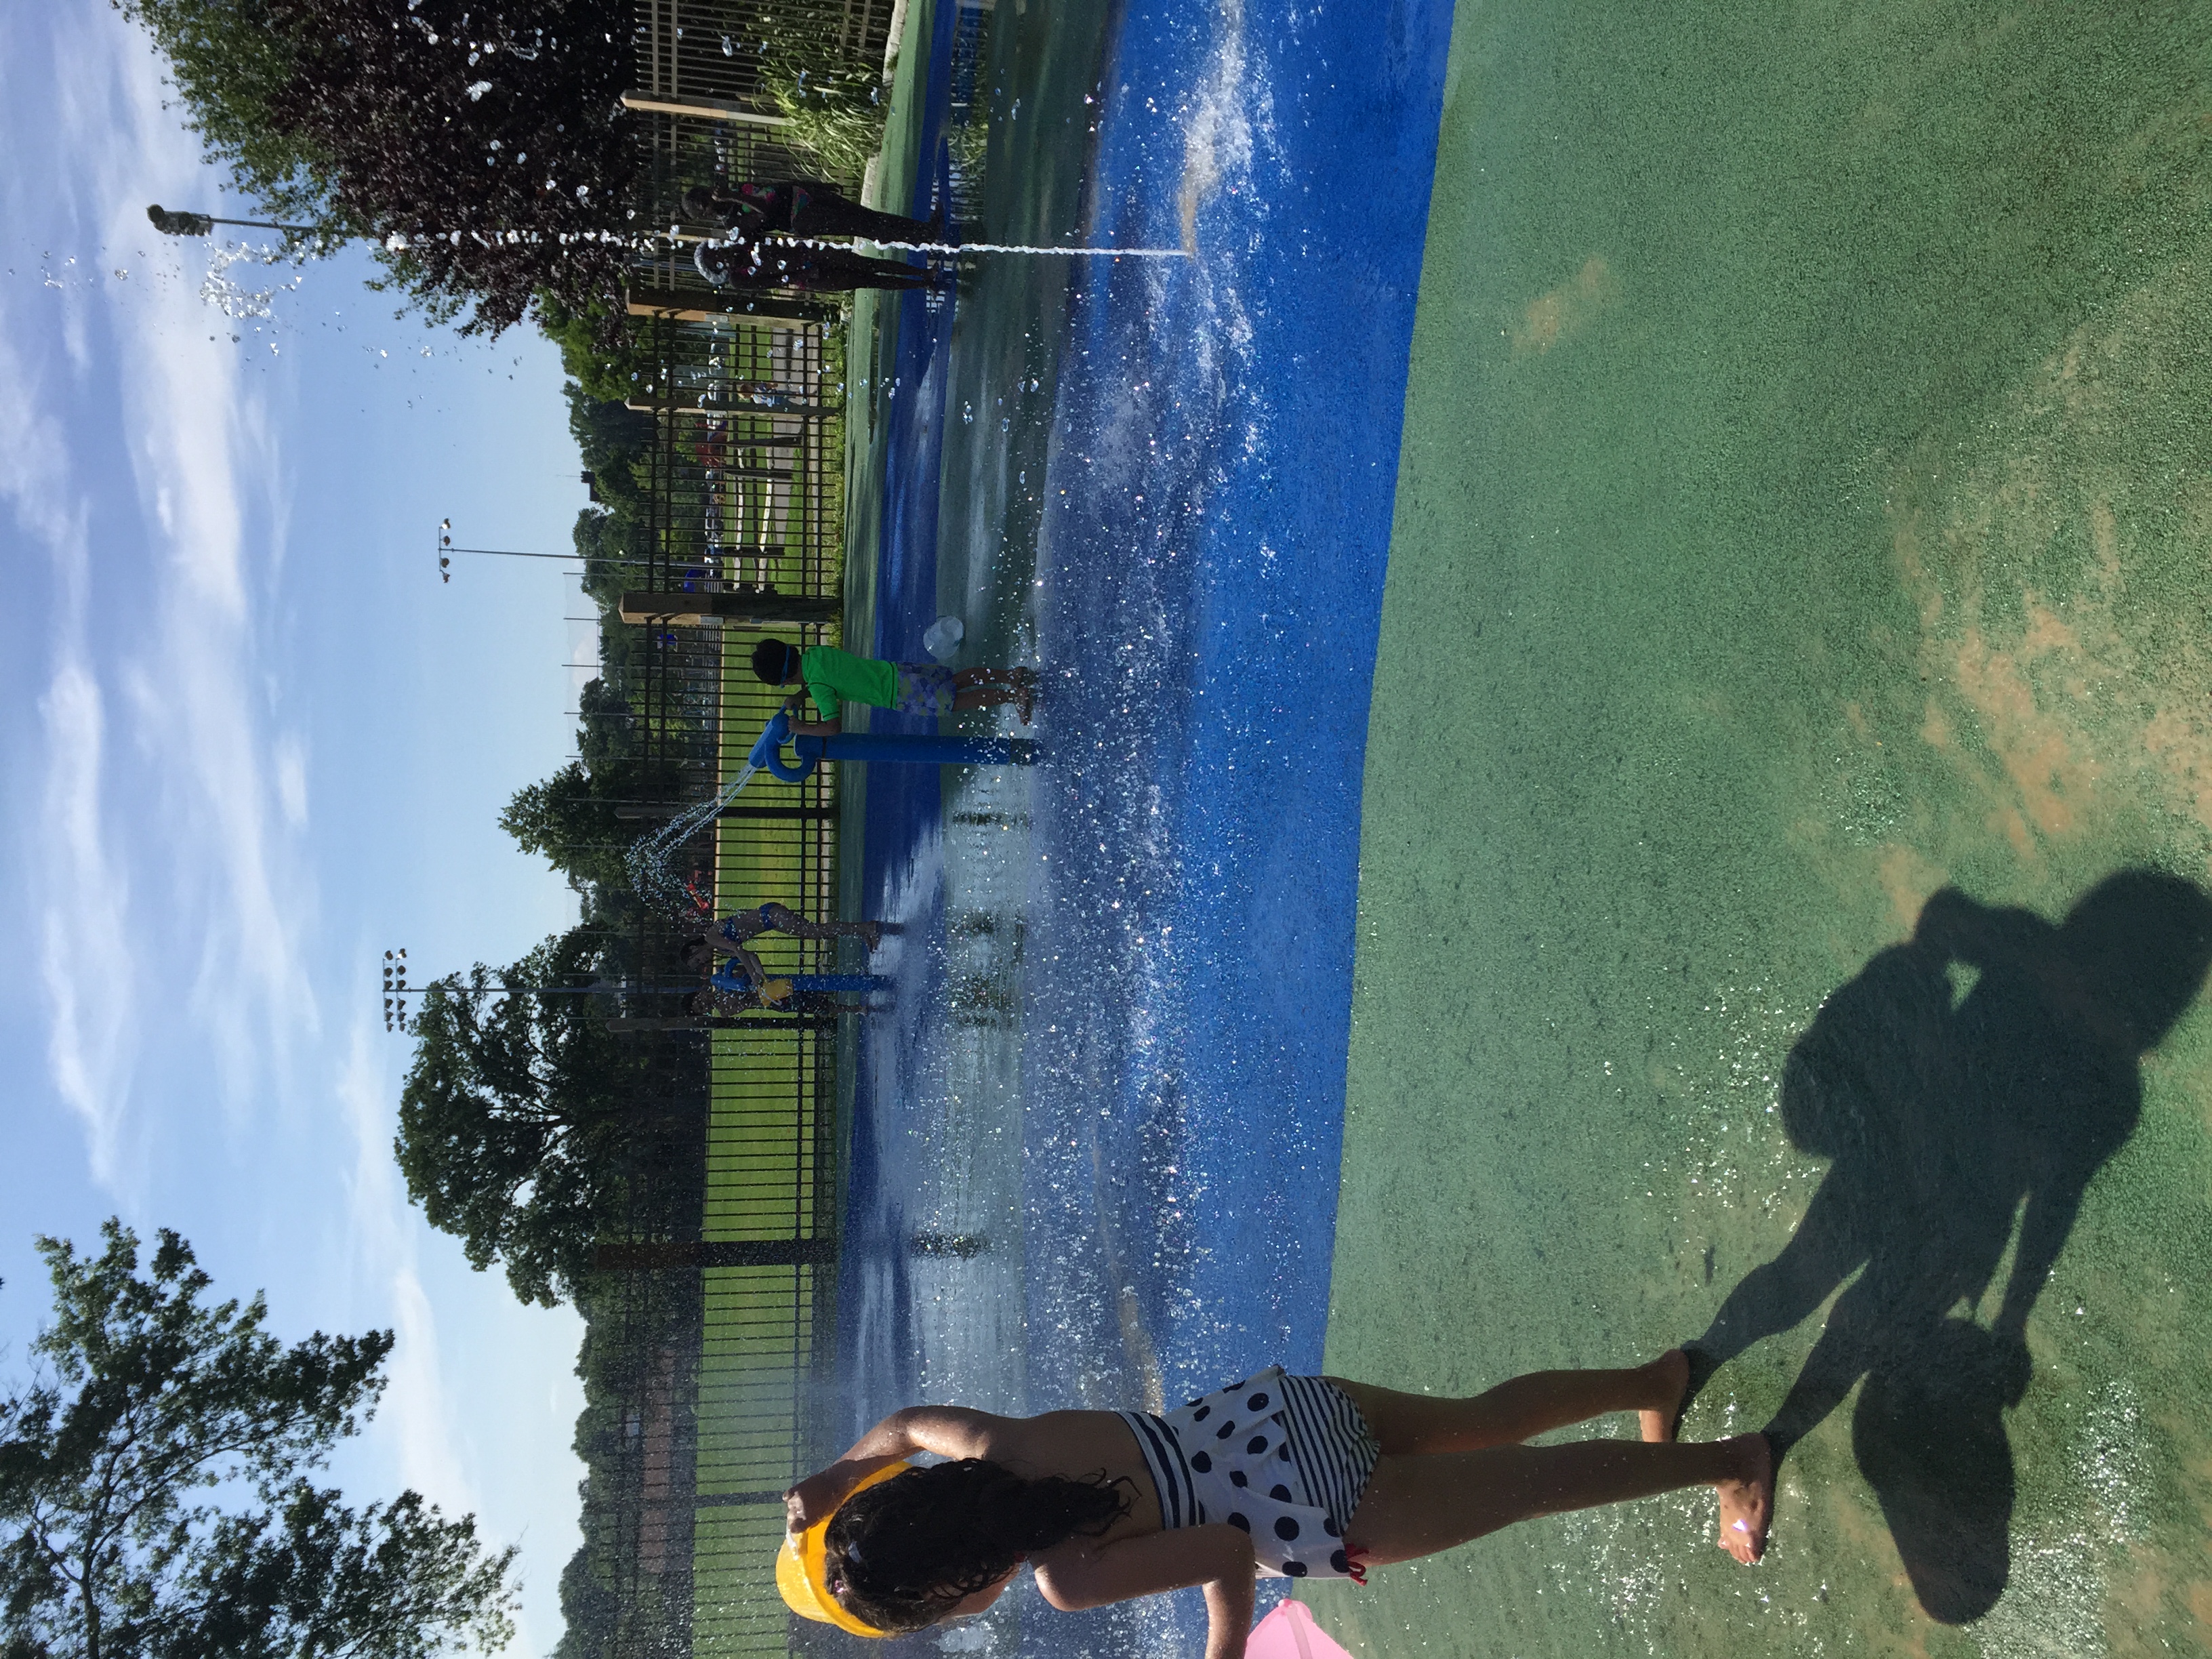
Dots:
(901, 751)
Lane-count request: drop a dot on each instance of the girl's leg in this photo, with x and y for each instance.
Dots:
(983, 697)
(1415, 1506)
(900, 278)
(786, 919)
(1015, 677)
(829, 215)
(1416, 1424)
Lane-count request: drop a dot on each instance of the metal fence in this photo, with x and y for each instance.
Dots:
(747, 484)
(743, 494)
(703, 74)
(709, 55)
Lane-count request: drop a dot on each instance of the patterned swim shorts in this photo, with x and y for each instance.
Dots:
(925, 688)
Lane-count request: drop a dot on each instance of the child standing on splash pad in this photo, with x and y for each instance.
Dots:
(833, 678)
(734, 930)
(801, 207)
(1292, 1476)
(743, 983)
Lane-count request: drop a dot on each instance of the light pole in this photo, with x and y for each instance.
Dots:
(445, 550)
(183, 221)
(396, 987)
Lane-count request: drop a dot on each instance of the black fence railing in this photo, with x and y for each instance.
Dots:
(711, 54)
(743, 501)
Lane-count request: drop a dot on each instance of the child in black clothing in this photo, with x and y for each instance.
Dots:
(801, 207)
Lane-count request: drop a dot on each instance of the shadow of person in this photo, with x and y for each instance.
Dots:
(1949, 1119)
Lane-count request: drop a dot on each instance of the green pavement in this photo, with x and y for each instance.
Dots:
(1806, 503)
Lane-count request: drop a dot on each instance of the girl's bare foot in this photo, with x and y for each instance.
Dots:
(874, 936)
(1747, 1502)
(1025, 702)
(1670, 1374)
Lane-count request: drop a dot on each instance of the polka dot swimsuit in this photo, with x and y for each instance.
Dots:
(1286, 1458)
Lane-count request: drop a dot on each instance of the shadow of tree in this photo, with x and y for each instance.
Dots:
(1948, 1119)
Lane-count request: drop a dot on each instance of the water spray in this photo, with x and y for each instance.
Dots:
(647, 861)
(982, 247)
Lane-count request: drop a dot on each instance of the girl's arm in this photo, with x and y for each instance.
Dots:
(1228, 1615)
(945, 1431)
(1217, 1556)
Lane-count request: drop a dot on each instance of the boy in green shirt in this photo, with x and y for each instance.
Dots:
(833, 678)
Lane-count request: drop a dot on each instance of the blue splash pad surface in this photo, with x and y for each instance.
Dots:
(1218, 513)
(903, 802)
(1217, 499)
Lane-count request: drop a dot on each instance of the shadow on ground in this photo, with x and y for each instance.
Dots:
(1979, 1073)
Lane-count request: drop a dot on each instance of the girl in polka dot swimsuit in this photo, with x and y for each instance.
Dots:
(1303, 1476)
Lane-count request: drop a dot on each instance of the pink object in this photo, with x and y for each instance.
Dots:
(1289, 1633)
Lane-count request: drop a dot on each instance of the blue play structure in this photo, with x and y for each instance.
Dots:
(922, 750)
(647, 861)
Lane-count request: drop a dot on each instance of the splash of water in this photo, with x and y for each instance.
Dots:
(1217, 136)
(234, 299)
(1012, 248)
(647, 861)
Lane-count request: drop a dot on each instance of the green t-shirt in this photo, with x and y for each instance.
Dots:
(834, 676)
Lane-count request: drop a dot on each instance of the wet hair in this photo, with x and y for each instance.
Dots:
(903, 1554)
(697, 942)
(775, 661)
(699, 202)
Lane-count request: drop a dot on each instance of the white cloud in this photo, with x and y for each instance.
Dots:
(79, 888)
(292, 780)
(230, 796)
(83, 957)
(416, 1417)
(169, 828)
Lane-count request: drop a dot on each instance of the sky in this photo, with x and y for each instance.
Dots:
(249, 742)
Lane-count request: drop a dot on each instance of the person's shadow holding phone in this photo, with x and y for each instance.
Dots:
(1948, 1116)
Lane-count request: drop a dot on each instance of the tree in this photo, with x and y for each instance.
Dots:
(598, 351)
(148, 1405)
(569, 819)
(561, 818)
(482, 144)
(613, 437)
(526, 1124)
(591, 1613)
(611, 544)
(229, 63)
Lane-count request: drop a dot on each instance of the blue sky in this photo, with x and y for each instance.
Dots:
(247, 741)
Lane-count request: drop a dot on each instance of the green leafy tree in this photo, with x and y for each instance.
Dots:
(481, 144)
(230, 64)
(571, 819)
(567, 820)
(591, 1613)
(524, 1123)
(597, 348)
(610, 544)
(154, 1501)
